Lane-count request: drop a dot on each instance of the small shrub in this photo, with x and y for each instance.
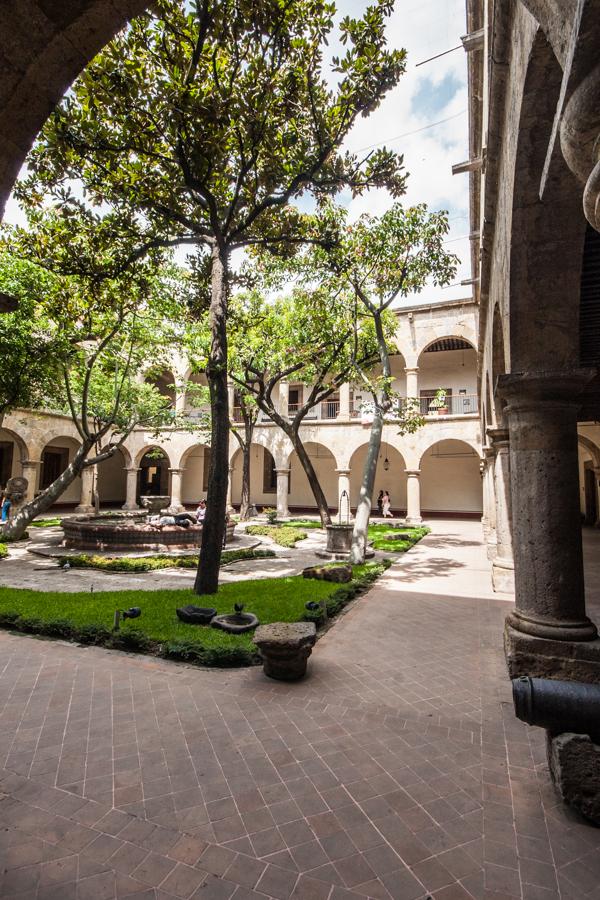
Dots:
(271, 514)
(3, 551)
(151, 563)
(284, 535)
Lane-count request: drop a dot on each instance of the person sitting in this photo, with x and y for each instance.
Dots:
(201, 512)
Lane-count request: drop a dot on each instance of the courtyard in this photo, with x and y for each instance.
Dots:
(396, 769)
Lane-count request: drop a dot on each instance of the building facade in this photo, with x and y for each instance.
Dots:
(436, 471)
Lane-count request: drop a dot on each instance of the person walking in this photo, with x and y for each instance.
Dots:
(380, 503)
(386, 504)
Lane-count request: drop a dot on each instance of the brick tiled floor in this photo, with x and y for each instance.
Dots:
(396, 770)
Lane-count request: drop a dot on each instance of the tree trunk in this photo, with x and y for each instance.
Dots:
(313, 481)
(365, 497)
(246, 447)
(17, 526)
(213, 530)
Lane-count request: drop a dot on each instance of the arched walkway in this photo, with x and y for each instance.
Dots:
(451, 479)
(324, 462)
(153, 475)
(263, 478)
(390, 475)
(13, 451)
(449, 363)
(56, 456)
(111, 480)
(164, 382)
(195, 464)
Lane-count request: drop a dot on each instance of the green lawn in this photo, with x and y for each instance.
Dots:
(88, 617)
(378, 537)
(284, 535)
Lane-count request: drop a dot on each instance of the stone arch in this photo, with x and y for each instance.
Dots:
(13, 453)
(451, 478)
(190, 380)
(51, 44)
(153, 474)
(393, 479)
(547, 232)
(111, 478)
(195, 463)
(164, 381)
(589, 479)
(325, 464)
(449, 362)
(56, 455)
(263, 479)
(592, 448)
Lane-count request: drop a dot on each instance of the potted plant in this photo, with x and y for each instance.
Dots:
(439, 404)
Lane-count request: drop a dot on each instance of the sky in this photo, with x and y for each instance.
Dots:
(432, 93)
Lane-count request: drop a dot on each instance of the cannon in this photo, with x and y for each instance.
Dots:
(558, 706)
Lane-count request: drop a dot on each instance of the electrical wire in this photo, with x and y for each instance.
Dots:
(408, 133)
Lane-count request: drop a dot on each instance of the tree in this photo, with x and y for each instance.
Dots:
(107, 327)
(29, 349)
(209, 124)
(317, 338)
(381, 260)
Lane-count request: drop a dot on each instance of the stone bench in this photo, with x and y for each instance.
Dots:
(285, 648)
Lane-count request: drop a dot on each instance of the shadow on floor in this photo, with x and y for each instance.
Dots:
(439, 543)
(427, 568)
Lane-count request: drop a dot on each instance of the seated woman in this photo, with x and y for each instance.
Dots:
(201, 512)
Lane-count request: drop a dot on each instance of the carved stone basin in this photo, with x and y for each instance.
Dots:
(235, 623)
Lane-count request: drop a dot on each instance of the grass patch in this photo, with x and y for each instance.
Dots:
(379, 537)
(151, 563)
(302, 523)
(44, 523)
(284, 535)
(3, 551)
(87, 617)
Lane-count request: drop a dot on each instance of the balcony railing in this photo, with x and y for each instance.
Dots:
(453, 405)
(328, 409)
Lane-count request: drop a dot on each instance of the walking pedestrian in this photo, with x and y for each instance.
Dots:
(386, 504)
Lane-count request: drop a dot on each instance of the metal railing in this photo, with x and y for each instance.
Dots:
(328, 409)
(453, 405)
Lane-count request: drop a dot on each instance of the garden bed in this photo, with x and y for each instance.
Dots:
(379, 540)
(137, 564)
(87, 617)
(284, 535)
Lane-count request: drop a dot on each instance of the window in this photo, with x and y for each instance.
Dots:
(54, 463)
(206, 468)
(269, 474)
(295, 397)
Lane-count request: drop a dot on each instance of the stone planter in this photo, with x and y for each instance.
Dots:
(285, 648)
(235, 623)
(155, 504)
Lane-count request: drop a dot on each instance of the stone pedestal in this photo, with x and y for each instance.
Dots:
(546, 658)
(285, 648)
(549, 592)
(413, 497)
(574, 763)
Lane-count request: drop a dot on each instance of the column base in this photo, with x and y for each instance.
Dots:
(542, 657)
(413, 520)
(174, 509)
(84, 509)
(131, 507)
(503, 575)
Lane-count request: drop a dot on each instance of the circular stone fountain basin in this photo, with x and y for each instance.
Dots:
(130, 533)
(235, 623)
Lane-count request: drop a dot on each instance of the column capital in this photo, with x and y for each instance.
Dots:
(488, 452)
(282, 471)
(176, 470)
(132, 468)
(499, 438)
(411, 370)
(521, 389)
(31, 462)
(343, 471)
(413, 472)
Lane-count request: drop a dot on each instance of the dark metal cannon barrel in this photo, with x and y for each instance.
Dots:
(558, 706)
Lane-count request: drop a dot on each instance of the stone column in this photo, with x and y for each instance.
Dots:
(30, 468)
(282, 492)
(597, 475)
(176, 475)
(503, 566)
(229, 505)
(344, 410)
(343, 485)
(231, 398)
(489, 502)
(131, 491)
(86, 502)
(284, 398)
(413, 497)
(550, 602)
(412, 381)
